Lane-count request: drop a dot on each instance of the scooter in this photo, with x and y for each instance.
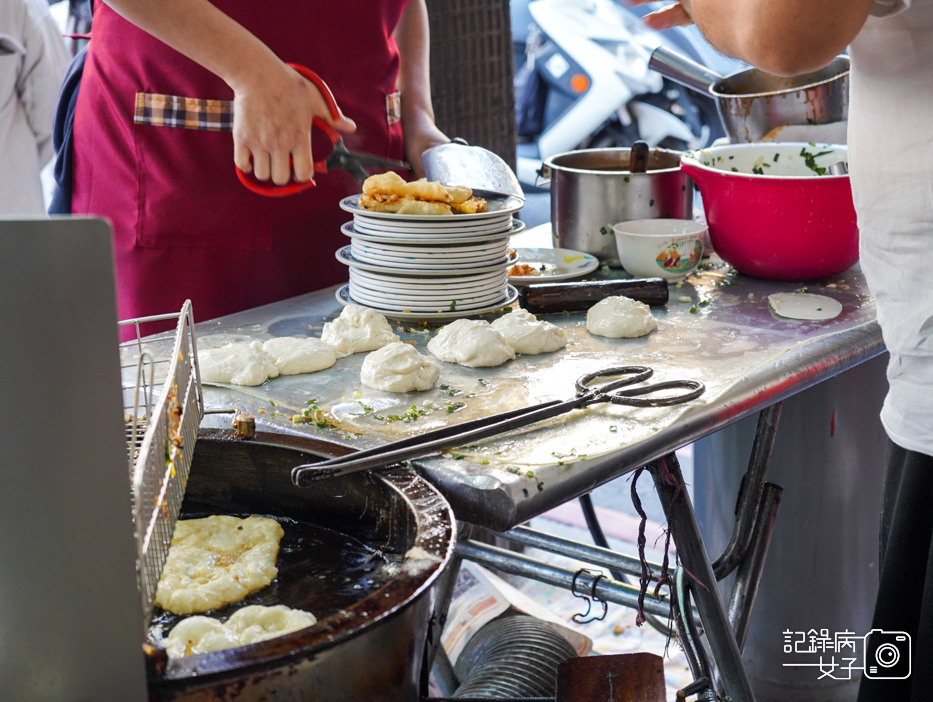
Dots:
(585, 82)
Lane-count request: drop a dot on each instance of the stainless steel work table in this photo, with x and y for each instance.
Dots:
(716, 328)
(725, 335)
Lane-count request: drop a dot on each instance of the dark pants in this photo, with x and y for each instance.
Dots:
(905, 597)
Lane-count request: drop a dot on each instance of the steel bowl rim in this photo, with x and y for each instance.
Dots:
(549, 162)
(842, 76)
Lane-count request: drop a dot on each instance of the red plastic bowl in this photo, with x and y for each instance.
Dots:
(771, 214)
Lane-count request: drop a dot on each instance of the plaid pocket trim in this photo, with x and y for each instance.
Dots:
(202, 115)
(394, 108)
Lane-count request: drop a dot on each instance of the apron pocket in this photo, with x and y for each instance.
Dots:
(189, 195)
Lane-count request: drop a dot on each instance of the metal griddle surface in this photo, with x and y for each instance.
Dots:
(717, 328)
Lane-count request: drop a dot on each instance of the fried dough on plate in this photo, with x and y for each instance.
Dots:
(471, 206)
(391, 183)
(423, 207)
(388, 192)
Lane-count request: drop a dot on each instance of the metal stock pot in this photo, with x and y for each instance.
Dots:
(592, 189)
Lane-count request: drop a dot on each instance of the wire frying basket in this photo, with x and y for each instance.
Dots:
(163, 406)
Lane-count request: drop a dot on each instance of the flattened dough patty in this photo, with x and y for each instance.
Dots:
(218, 560)
(249, 625)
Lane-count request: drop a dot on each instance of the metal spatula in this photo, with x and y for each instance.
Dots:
(456, 163)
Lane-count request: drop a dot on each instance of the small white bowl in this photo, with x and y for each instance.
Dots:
(666, 248)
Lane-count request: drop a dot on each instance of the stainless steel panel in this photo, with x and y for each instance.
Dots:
(70, 623)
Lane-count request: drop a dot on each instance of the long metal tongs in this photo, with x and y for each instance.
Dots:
(450, 437)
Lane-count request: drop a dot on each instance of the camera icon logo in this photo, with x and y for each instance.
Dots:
(887, 655)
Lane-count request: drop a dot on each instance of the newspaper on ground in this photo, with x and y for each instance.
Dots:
(480, 596)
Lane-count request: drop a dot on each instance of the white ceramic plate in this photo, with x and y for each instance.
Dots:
(438, 290)
(439, 258)
(440, 308)
(424, 265)
(394, 265)
(377, 226)
(345, 256)
(421, 304)
(344, 298)
(359, 250)
(445, 306)
(368, 288)
(351, 230)
(495, 207)
(498, 247)
(448, 281)
(558, 264)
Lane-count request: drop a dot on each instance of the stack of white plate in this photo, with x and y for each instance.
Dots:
(430, 266)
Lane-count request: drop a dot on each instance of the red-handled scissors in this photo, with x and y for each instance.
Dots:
(353, 163)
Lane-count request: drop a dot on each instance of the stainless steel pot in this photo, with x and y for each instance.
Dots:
(592, 189)
(752, 103)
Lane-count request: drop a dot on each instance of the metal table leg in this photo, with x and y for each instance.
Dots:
(732, 680)
(748, 576)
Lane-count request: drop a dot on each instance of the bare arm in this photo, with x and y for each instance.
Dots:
(414, 82)
(273, 105)
(786, 37)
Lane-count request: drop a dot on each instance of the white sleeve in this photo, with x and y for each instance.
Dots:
(883, 8)
(44, 66)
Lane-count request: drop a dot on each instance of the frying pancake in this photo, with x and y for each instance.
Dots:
(249, 625)
(216, 561)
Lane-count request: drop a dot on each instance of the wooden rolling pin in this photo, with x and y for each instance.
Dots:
(576, 297)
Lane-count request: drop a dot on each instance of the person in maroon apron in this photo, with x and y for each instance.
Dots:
(184, 226)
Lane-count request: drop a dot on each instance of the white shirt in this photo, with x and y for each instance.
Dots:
(33, 60)
(891, 169)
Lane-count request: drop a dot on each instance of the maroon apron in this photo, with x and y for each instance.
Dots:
(184, 226)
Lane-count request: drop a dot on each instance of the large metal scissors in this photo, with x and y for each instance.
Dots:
(588, 392)
(340, 157)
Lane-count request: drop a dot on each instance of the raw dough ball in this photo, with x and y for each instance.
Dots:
(525, 334)
(358, 329)
(804, 306)
(293, 356)
(471, 342)
(249, 625)
(239, 363)
(620, 318)
(398, 367)
(217, 560)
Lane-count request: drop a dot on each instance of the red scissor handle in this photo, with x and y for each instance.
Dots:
(319, 166)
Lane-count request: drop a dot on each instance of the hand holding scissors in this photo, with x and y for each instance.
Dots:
(340, 157)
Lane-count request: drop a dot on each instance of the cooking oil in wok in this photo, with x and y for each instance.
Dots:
(321, 571)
